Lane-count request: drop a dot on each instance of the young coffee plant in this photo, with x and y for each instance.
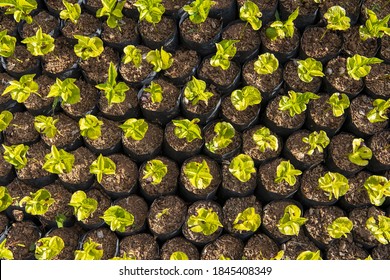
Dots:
(265, 140)
(37, 203)
(114, 92)
(337, 19)
(40, 44)
(90, 127)
(83, 206)
(195, 91)
(360, 154)
(102, 166)
(309, 256)
(242, 167)
(226, 50)
(5, 198)
(280, 30)
(46, 125)
(118, 218)
(5, 253)
(198, 10)
(7, 44)
(88, 47)
(155, 91)
(339, 103)
(374, 27)
(58, 161)
(132, 54)
(250, 13)
(47, 248)
(20, 90)
(381, 229)
(20, 9)
(224, 137)
(125, 257)
(187, 129)
(72, 12)
(340, 227)
(333, 183)
(291, 221)
(160, 59)
(378, 189)
(162, 213)
(150, 10)
(198, 173)
(380, 111)
(296, 102)
(245, 97)
(178, 256)
(5, 119)
(66, 91)
(155, 171)
(358, 66)
(308, 69)
(16, 155)
(112, 9)
(286, 172)
(91, 251)
(316, 140)
(205, 222)
(266, 64)
(135, 128)
(247, 220)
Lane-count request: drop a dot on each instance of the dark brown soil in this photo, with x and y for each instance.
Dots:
(209, 135)
(235, 117)
(184, 61)
(5, 167)
(260, 247)
(200, 33)
(357, 194)
(106, 238)
(17, 189)
(379, 145)
(179, 244)
(285, 45)
(70, 236)
(47, 22)
(201, 107)
(21, 240)
(170, 96)
(21, 60)
(377, 81)
(217, 75)
(21, 130)
(111, 134)
(137, 206)
(381, 252)
(8, 23)
(231, 183)
(354, 45)
(104, 203)
(226, 246)
(141, 246)
(290, 76)
(380, 7)
(262, 4)
(87, 25)
(57, 5)
(385, 47)
(180, 144)
(127, 32)
(4, 222)
(297, 245)
(306, 7)
(342, 249)
(119, 109)
(158, 32)
(132, 74)
(4, 79)
(35, 102)
(170, 5)
(249, 38)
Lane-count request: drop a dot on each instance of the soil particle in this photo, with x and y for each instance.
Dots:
(357, 195)
(225, 246)
(119, 109)
(126, 33)
(217, 75)
(380, 146)
(47, 22)
(200, 33)
(296, 246)
(342, 249)
(378, 80)
(21, 240)
(36, 103)
(158, 32)
(141, 246)
(111, 134)
(260, 247)
(87, 25)
(353, 44)
(249, 39)
(21, 129)
(184, 61)
(21, 61)
(236, 117)
(179, 244)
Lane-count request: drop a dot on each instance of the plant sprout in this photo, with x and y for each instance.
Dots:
(114, 92)
(224, 137)
(378, 188)
(91, 251)
(247, 220)
(132, 54)
(58, 161)
(339, 103)
(90, 127)
(40, 44)
(20, 90)
(198, 173)
(198, 10)
(150, 10)
(5, 254)
(205, 222)
(135, 128)
(129, 257)
(5, 119)
(155, 91)
(381, 229)
(195, 91)
(358, 66)
(7, 44)
(187, 129)
(178, 256)
(47, 248)
(112, 9)
(281, 30)
(266, 64)
(37, 203)
(250, 13)
(46, 125)
(102, 166)
(379, 112)
(162, 213)
(242, 167)
(71, 12)
(5, 198)
(245, 97)
(226, 50)
(286, 172)
(265, 140)
(88, 47)
(374, 28)
(316, 140)
(340, 227)
(118, 218)
(296, 102)
(21, 9)
(83, 206)
(291, 221)
(160, 59)
(333, 183)
(337, 19)
(65, 90)
(309, 256)
(155, 171)
(16, 155)
(360, 154)
(223, 258)
(308, 69)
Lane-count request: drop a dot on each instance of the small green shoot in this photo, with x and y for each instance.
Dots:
(286, 172)
(91, 251)
(5, 254)
(47, 248)
(378, 189)
(198, 173)
(198, 10)
(5, 119)
(160, 59)
(112, 9)
(266, 64)
(155, 91)
(224, 137)
(265, 140)
(83, 206)
(333, 183)
(245, 97)
(309, 256)
(291, 221)
(280, 30)
(21, 9)
(5, 198)
(360, 154)
(226, 50)
(135, 128)
(381, 229)
(20, 90)
(316, 140)
(339, 103)
(242, 167)
(247, 220)
(118, 218)
(46, 125)
(337, 19)
(58, 161)
(150, 10)
(205, 222)
(195, 91)
(88, 47)
(7, 44)
(65, 90)
(250, 13)
(340, 227)
(72, 12)
(40, 44)
(178, 256)
(296, 102)
(16, 155)
(155, 171)
(358, 66)
(102, 166)
(90, 127)
(187, 129)
(379, 112)
(37, 203)
(132, 54)
(308, 69)
(374, 28)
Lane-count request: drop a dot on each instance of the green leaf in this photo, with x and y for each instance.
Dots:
(195, 91)
(155, 171)
(265, 140)
(20, 90)
(47, 248)
(102, 166)
(40, 44)
(118, 218)
(155, 91)
(339, 103)
(83, 206)
(296, 102)
(16, 155)
(46, 125)
(250, 13)
(316, 140)
(242, 167)
(91, 251)
(309, 256)
(198, 10)
(333, 183)
(340, 227)
(160, 59)
(135, 128)
(378, 188)
(245, 97)
(21, 9)
(88, 47)
(224, 137)
(132, 54)
(178, 256)
(5, 254)
(205, 222)
(374, 28)
(360, 154)
(90, 127)
(5, 199)
(37, 203)
(112, 9)
(286, 172)
(379, 112)
(67, 90)
(267, 63)
(187, 129)
(358, 66)
(58, 161)
(150, 10)
(5, 119)
(198, 173)
(248, 220)
(337, 19)
(308, 69)
(71, 12)
(7, 44)
(291, 221)
(226, 50)
(381, 229)
(281, 30)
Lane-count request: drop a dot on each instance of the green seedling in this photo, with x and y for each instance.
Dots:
(374, 27)
(286, 172)
(112, 9)
(250, 13)
(160, 59)
(135, 128)
(47, 248)
(339, 103)
(88, 47)
(5, 198)
(5, 119)
(7, 44)
(198, 10)
(296, 102)
(380, 111)
(226, 50)
(58, 161)
(378, 189)
(266, 64)
(265, 140)
(20, 9)
(316, 140)
(150, 10)
(198, 173)
(340, 227)
(102, 166)
(20, 90)
(155, 171)
(178, 256)
(242, 167)
(247, 220)
(381, 229)
(280, 30)
(358, 66)
(155, 91)
(245, 97)
(224, 137)
(360, 154)
(132, 54)
(91, 251)
(333, 183)
(90, 127)
(205, 222)
(83, 206)
(118, 218)
(291, 221)
(37, 203)
(308, 69)
(5, 253)
(187, 129)
(309, 256)
(40, 44)
(46, 125)
(65, 90)
(16, 155)
(72, 12)
(195, 91)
